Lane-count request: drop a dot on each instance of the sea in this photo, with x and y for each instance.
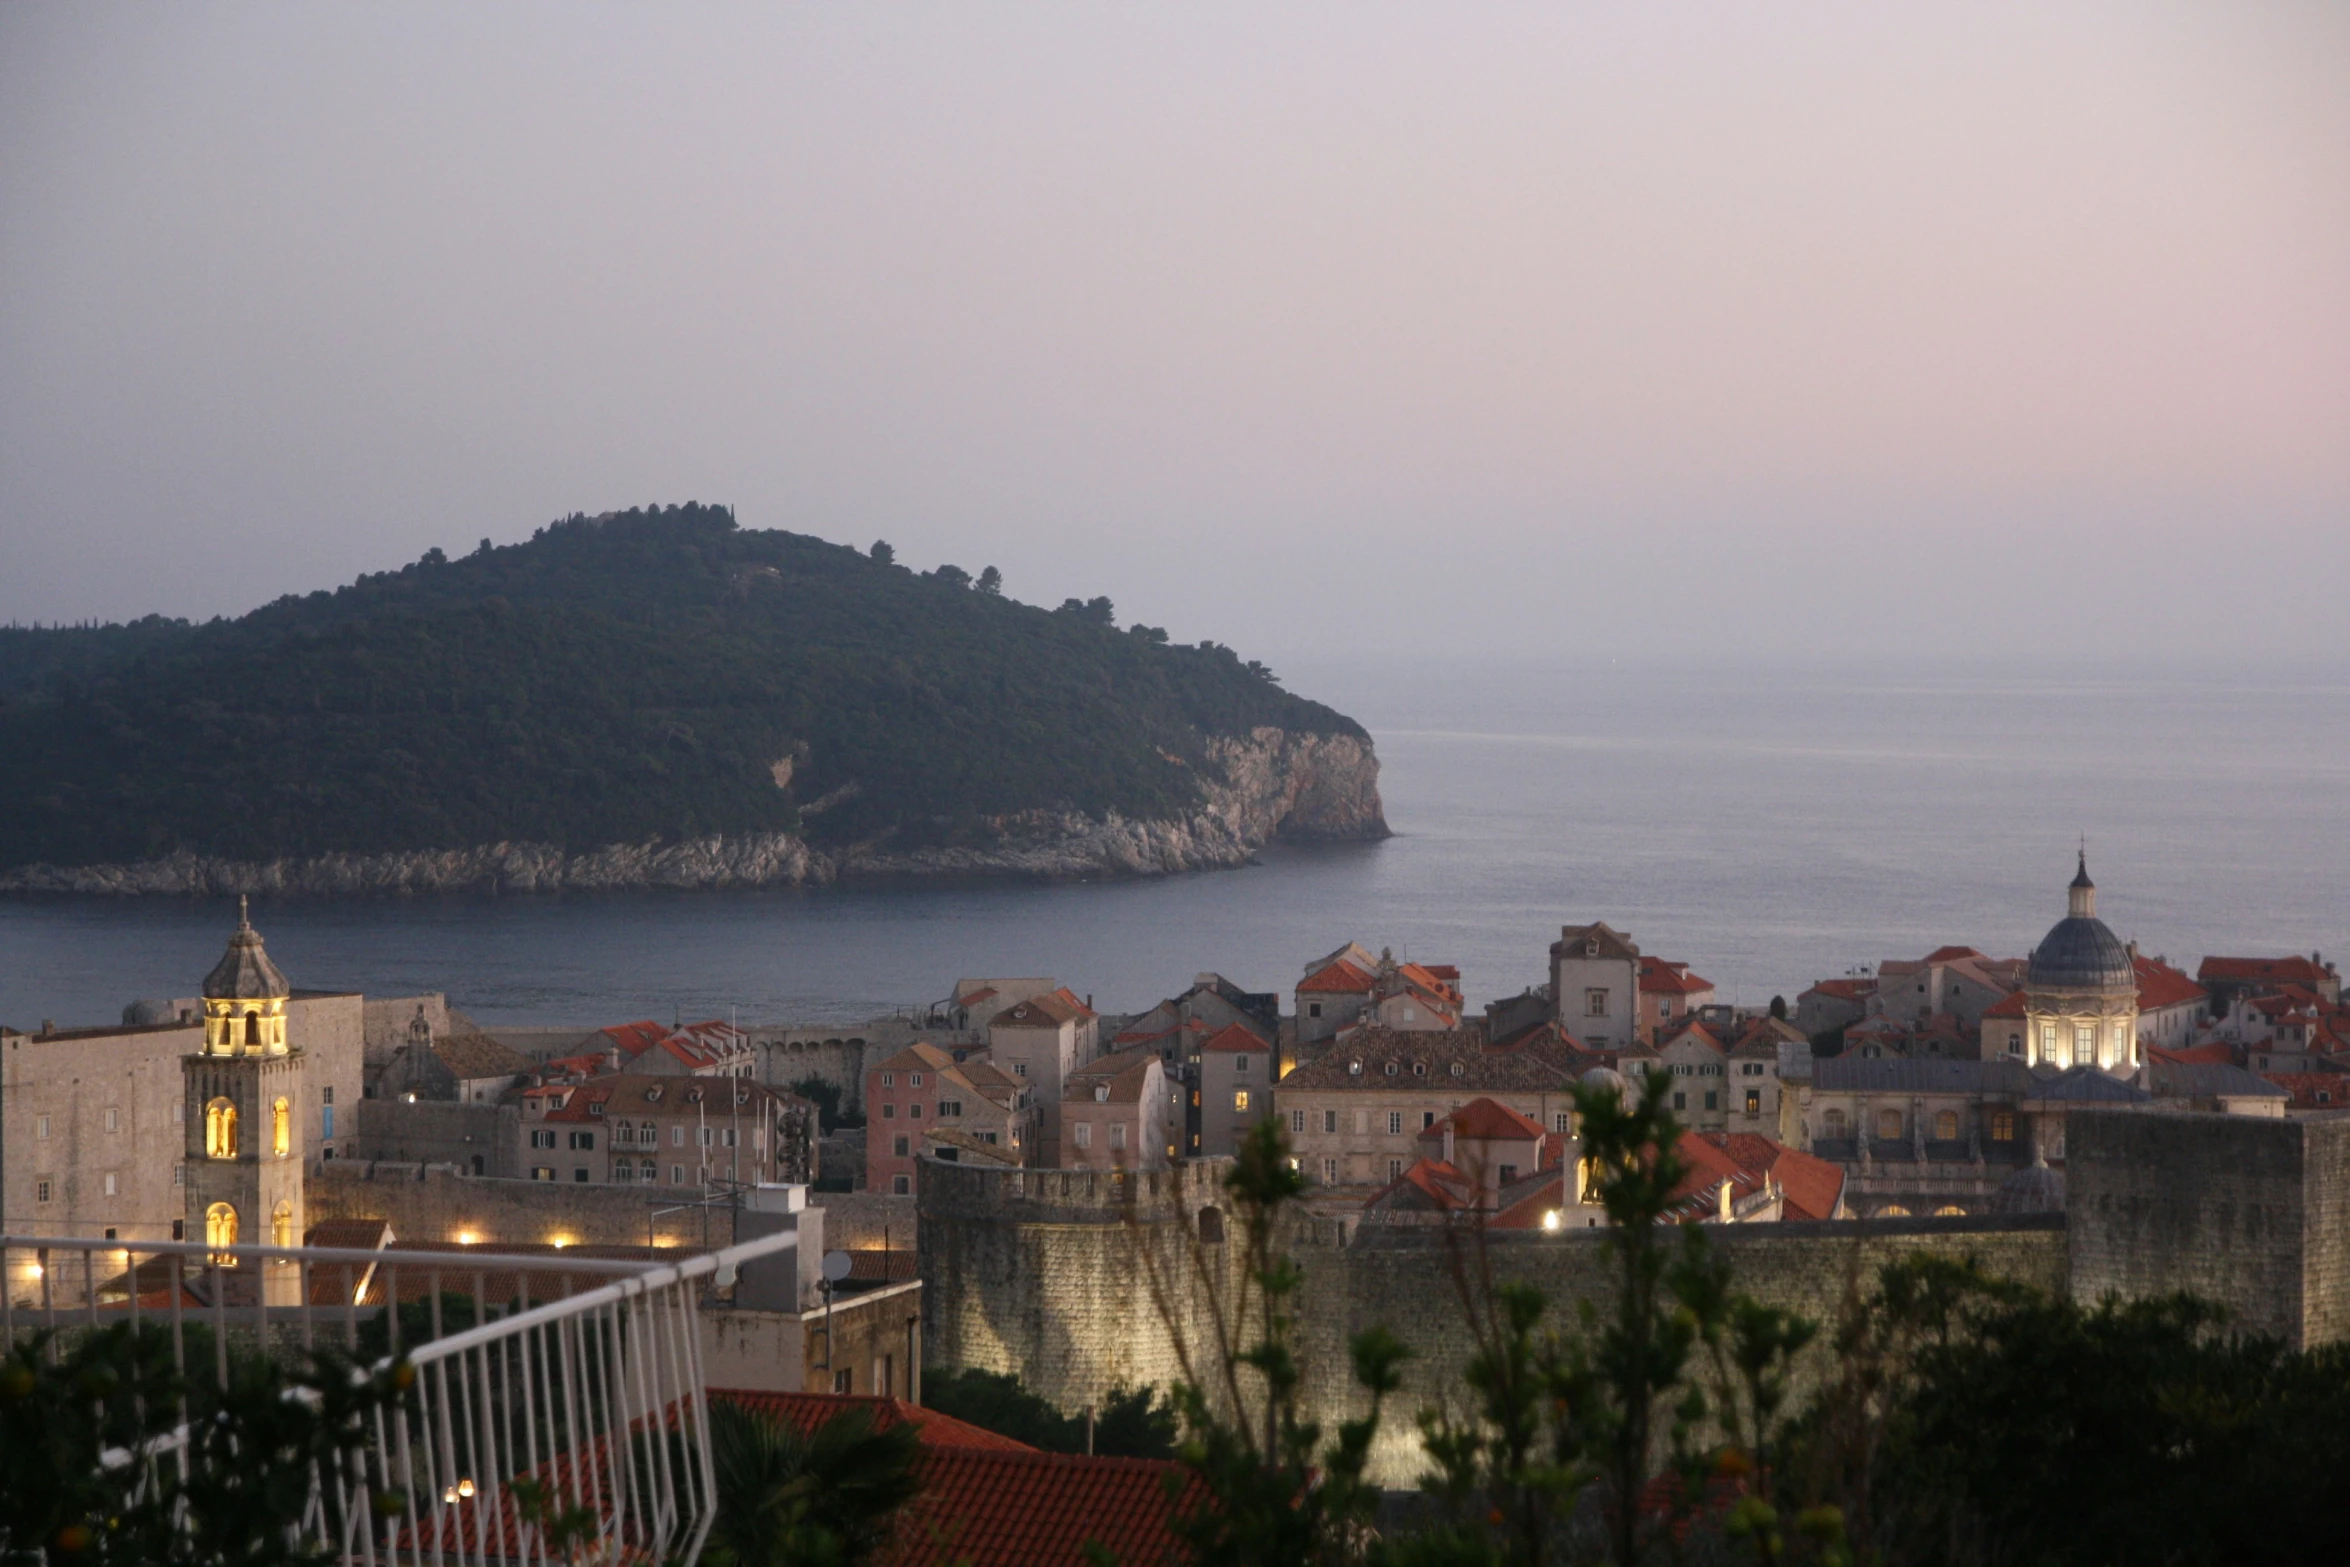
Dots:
(1770, 826)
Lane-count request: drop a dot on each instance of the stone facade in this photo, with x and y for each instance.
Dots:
(430, 1203)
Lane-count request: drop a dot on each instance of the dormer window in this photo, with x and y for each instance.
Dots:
(1101, 1094)
(653, 1095)
(1391, 1069)
(1459, 1070)
(1354, 1069)
(1419, 1069)
(1591, 946)
(597, 1108)
(693, 1096)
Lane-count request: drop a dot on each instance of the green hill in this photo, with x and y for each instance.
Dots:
(643, 676)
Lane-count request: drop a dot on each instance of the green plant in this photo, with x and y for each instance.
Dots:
(830, 1497)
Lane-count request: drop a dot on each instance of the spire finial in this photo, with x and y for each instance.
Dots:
(244, 912)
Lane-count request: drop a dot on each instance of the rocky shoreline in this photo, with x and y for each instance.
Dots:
(1273, 784)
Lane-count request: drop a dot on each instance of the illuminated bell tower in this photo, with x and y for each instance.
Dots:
(245, 1097)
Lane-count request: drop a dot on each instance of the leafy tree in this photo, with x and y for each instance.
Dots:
(1131, 1423)
(991, 581)
(252, 1450)
(953, 576)
(826, 1096)
(1779, 1008)
(830, 1497)
(882, 554)
(623, 679)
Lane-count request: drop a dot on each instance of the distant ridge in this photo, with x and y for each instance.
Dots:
(650, 697)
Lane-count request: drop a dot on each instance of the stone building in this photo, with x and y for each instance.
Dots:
(923, 1090)
(1595, 986)
(1116, 1114)
(1669, 996)
(2081, 991)
(243, 1154)
(1039, 1041)
(1356, 1114)
(634, 1129)
(1236, 1072)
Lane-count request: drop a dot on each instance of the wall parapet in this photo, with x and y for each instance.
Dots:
(948, 1191)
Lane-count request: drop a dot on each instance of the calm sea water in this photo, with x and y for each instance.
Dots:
(1770, 827)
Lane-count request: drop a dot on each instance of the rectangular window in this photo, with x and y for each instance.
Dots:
(1395, 1123)
(705, 1131)
(1754, 1101)
(113, 1119)
(326, 1116)
(40, 1191)
(542, 1139)
(2084, 1047)
(1313, 1009)
(580, 1175)
(1713, 1099)
(1240, 1099)
(677, 1137)
(583, 1140)
(1595, 1002)
(1019, 1069)
(1330, 1172)
(914, 1112)
(1561, 1122)
(110, 1183)
(1680, 1100)
(889, 1112)
(901, 1185)
(1117, 1134)
(1240, 1062)
(179, 1175)
(730, 1136)
(914, 1080)
(1084, 1134)
(1329, 1121)
(41, 1127)
(2003, 1126)
(1297, 1120)
(1427, 1119)
(326, 1095)
(1395, 1169)
(901, 1146)
(2048, 1042)
(1509, 1173)
(677, 1175)
(889, 1080)
(950, 1109)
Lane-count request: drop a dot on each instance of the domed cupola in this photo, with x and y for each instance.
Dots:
(2081, 990)
(245, 997)
(2081, 951)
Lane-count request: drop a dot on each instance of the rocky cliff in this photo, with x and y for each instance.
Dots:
(1273, 784)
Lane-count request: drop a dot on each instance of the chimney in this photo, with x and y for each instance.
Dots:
(48, 1027)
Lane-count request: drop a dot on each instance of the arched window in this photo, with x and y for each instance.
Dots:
(1832, 1126)
(1893, 1210)
(1950, 1210)
(220, 1232)
(281, 1128)
(253, 1029)
(648, 1169)
(220, 1130)
(281, 1224)
(1888, 1126)
(1946, 1127)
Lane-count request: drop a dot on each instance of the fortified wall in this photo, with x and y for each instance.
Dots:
(1049, 1274)
(435, 1203)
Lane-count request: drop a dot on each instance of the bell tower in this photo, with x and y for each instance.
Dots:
(244, 1098)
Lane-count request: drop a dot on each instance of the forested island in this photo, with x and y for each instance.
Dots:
(655, 696)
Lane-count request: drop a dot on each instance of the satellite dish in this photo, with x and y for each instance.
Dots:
(837, 1265)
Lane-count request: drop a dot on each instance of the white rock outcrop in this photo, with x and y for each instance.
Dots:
(1272, 784)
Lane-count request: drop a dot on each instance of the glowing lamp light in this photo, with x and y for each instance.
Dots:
(38, 1270)
(467, 1238)
(465, 1488)
(560, 1241)
(1551, 1221)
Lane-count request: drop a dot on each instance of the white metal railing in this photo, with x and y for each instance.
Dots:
(593, 1392)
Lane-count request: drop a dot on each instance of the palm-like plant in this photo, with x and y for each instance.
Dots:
(825, 1499)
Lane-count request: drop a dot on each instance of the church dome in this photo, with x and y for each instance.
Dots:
(2033, 1189)
(244, 972)
(1604, 1077)
(2080, 952)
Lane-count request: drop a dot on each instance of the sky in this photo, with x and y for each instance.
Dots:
(1704, 330)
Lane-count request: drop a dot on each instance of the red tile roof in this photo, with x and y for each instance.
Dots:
(1236, 1037)
(1341, 977)
(1038, 1012)
(1952, 954)
(2009, 1005)
(2217, 1052)
(998, 1509)
(634, 1039)
(1845, 989)
(2160, 985)
(1659, 978)
(1812, 1186)
(1487, 1118)
(804, 1412)
(2313, 1090)
(2295, 970)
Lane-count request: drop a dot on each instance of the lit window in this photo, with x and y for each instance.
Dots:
(1240, 1099)
(220, 1130)
(281, 1128)
(1754, 1101)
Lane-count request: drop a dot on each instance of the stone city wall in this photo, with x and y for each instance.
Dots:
(426, 1203)
(2248, 1211)
(866, 1221)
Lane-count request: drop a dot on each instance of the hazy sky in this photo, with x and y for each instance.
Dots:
(1573, 329)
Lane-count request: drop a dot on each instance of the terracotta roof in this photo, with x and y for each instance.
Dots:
(1342, 977)
(804, 1412)
(1659, 978)
(2313, 1090)
(1612, 943)
(1536, 1066)
(1951, 954)
(348, 1234)
(1235, 1037)
(1690, 1028)
(2160, 985)
(2009, 1005)
(917, 1057)
(1069, 999)
(2216, 1052)
(1124, 1075)
(634, 1039)
(2296, 970)
(1812, 1187)
(981, 1508)
(1487, 1118)
(1427, 979)
(630, 1093)
(1844, 989)
(1036, 1012)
